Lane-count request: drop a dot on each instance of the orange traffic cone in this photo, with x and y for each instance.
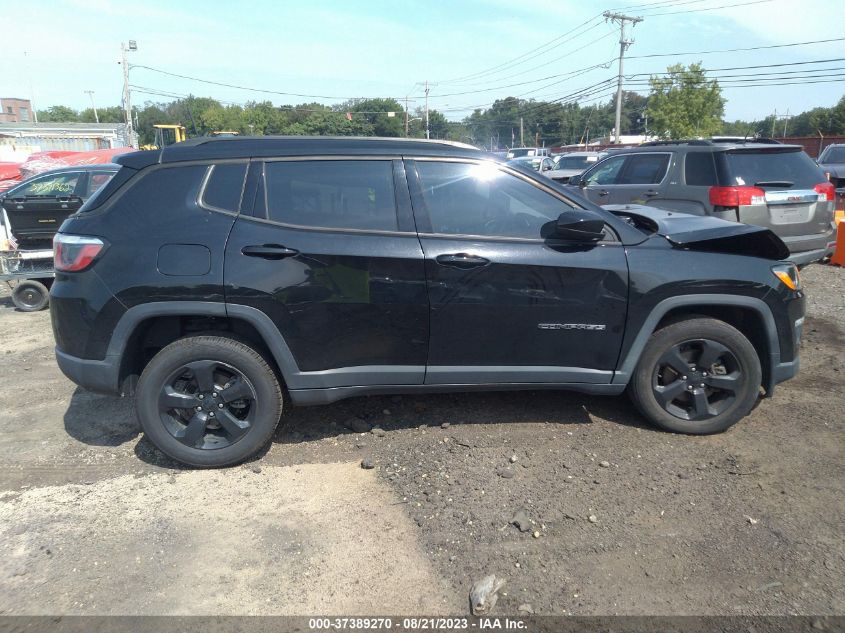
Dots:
(838, 256)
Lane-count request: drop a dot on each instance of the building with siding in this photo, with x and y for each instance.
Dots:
(77, 137)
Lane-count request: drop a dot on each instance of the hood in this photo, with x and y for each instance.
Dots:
(703, 233)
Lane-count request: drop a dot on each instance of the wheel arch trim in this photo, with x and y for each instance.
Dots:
(293, 377)
(629, 363)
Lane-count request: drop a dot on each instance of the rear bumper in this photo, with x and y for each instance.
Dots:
(808, 257)
(96, 375)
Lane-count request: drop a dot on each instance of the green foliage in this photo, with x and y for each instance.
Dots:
(685, 104)
(58, 114)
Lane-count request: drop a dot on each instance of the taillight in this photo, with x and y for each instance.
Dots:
(826, 191)
(736, 196)
(72, 253)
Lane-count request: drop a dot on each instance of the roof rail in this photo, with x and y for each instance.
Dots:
(746, 139)
(687, 142)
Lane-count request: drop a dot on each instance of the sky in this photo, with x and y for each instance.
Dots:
(470, 51)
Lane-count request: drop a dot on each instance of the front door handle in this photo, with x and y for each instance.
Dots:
(651, 193)
(461, 260)
(269, 251)
(602, 193)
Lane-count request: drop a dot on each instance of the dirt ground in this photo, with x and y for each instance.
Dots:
(93, 520)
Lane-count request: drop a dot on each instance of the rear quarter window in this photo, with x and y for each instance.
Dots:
(163, 188)
(790, 169)
(700, 169)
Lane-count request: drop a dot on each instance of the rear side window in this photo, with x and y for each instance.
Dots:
(700, 169)
(49, 186)
(333, 194)
(224, 187)
(644, 169)
(778, 169)
(96, 180)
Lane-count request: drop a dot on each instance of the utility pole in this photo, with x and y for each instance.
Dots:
(406, 116)
(127, 106)
(90, 93)
(31, 91)
(521, 140)
(620, 19)
(427, 131)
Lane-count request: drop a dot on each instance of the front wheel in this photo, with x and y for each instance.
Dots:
(697, 376)
(208, 401)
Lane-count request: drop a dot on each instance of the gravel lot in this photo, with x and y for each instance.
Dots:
(747, 522)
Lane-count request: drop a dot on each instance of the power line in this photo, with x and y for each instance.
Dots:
(738, 50)
(515, 61)
(523, 83)
(549, 62)
(724, 6)
(816, 61)
(248, 88)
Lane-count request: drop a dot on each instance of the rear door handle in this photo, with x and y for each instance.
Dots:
(461, 260)
(651, 193)
(269, 251)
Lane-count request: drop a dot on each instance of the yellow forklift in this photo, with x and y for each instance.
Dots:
(167, 134)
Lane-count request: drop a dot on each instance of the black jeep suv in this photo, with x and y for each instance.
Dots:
(217, 279)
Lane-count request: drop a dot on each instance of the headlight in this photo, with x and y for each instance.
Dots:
(788, 275)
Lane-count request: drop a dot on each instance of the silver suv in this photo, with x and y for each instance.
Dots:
(762, 183)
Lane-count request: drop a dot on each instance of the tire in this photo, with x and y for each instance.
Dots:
(184, 409)
(30, 296)
(698, 376)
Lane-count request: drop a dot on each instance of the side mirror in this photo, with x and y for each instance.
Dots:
(579, 226)
(577, 181)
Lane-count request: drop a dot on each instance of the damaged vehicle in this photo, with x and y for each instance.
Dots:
(760, 182)
(276, 272)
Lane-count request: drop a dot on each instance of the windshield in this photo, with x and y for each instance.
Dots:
(833, 155)
(773, 169)
(522, 151)
(575, 162)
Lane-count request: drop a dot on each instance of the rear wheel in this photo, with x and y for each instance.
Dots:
(208, 401)
(30, 296)
(697, 376)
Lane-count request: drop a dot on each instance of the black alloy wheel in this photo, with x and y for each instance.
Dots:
(699, 376)
(209, 401)
(697, 379)
(207, 404)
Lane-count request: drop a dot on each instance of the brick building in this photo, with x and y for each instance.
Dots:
(14, 110)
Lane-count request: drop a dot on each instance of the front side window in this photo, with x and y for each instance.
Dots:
(335, 194)
(49, 186)
(605, 173)
(224, 187)
(481, 199)
(644, 169)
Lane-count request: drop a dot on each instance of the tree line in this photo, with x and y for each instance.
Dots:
(682, 103)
